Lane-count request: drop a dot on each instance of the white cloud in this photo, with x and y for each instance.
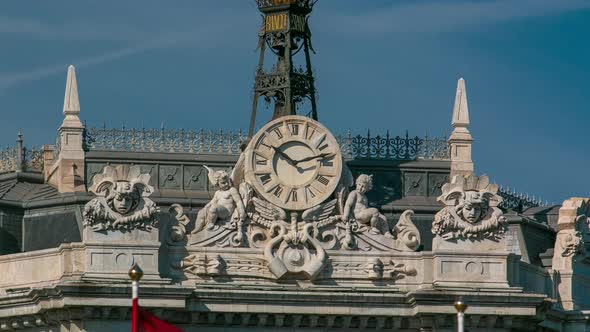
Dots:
(205, 33)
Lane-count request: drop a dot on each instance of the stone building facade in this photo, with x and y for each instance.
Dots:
(290, 228)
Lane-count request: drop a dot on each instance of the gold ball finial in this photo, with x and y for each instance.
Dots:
(135, 273)
(460, 306)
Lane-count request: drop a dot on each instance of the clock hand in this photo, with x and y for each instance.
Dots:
(284, 155)
(319, 156)
(301, 170)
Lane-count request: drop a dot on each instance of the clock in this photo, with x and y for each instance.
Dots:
(293, 162)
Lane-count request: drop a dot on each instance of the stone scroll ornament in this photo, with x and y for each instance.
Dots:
(122, 201)
(471, 210)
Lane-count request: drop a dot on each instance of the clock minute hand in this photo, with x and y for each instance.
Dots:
(321, 155)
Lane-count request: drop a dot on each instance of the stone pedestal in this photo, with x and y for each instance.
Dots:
(110, 254)
(467, 264)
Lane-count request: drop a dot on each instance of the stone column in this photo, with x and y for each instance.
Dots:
(570, 260)
(460, 140)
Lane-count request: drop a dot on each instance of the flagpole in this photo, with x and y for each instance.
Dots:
(461, 307)
(135, 274)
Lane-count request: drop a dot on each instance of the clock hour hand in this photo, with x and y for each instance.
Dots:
(319, 156)
(284, 155)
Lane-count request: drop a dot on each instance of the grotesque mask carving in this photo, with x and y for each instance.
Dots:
(470, 209)
(123, 198)
(122, 201)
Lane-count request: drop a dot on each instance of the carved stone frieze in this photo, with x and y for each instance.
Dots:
(435, 183)
(170, 177)
(209, 265)
(376, 270)
(122, 202)
(470, 210)
(195, 178)
(415, 184)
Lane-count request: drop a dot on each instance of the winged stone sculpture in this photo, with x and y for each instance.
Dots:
(320, 212)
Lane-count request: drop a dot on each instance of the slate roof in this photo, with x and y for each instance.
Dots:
(22, 188)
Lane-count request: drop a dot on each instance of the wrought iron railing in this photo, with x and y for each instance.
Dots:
(164, 140)
(28, 159)
(229, 142)
(519, 202)
(395, 147)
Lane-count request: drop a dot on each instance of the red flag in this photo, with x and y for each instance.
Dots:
(144, 321)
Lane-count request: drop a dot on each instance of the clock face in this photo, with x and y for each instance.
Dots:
(294, 162)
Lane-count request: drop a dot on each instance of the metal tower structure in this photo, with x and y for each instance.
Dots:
(286, 85)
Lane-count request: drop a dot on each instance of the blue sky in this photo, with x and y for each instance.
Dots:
(379, 64)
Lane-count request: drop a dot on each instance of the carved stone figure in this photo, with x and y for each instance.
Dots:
(122, 202)
(573, 225)
(470, 210)
(357, 207)
(572, 244)
(374, 268)
(226, 203)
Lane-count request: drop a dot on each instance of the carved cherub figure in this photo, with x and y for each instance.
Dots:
(225, 204)
(357, 207)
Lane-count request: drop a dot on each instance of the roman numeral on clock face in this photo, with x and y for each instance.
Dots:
(278, 132)
(294, 128)
(328, 161)
(293, 195)
(277, 191)
(265, 178)
(309, 193)
(320, 143)
(323, 180)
